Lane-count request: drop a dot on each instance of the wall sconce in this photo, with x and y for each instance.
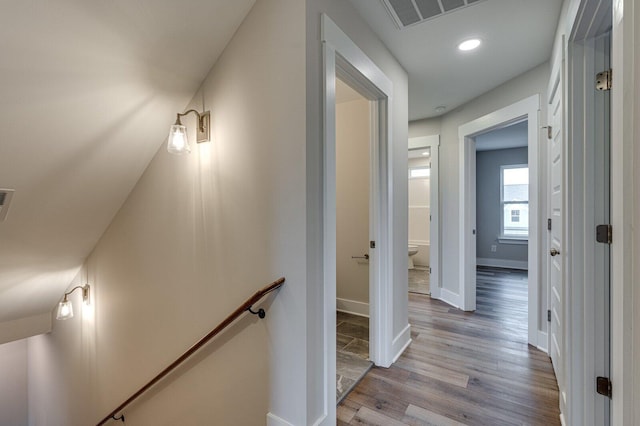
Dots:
(65, 308)
(178, 143)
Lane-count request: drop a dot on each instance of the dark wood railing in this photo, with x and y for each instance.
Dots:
(246, 306)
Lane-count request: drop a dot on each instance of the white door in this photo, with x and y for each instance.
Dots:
(556, 191)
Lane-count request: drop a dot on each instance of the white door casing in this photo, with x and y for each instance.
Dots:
(588, 195)
(344, 58)
(525, 109)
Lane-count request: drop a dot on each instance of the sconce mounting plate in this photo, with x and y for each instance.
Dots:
(203, 132)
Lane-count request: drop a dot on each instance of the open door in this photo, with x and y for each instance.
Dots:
(556, 193)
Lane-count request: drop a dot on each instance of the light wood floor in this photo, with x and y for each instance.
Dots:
(462, 368)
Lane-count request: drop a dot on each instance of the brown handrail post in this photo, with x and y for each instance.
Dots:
(246, 306)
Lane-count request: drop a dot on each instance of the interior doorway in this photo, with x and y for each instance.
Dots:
(353, 195)
(424, 215)
(419, 175)
(525, 110)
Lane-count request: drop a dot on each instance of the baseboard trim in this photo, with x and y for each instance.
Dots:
(450, 297)
(352, 307)
(321, 421)
(543, 340)
(401, 343)
(503, 263)
(273, 420)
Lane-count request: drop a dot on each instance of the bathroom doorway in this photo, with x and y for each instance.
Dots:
(424, 235)
(353, 233)
(419, 196)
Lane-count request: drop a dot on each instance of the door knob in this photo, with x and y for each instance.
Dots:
(554, 252)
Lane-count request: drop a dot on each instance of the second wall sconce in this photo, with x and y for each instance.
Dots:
(65, 308)
(178, 142)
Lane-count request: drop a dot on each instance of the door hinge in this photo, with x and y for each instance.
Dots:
(549, 224)
(548, 315)
(549, 131)
(603, 80)
(372, 244)
(429, 269)
(604, 234)
(603, 386)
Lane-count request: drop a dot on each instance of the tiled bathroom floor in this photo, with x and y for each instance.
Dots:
(419, 280)
(352, 357)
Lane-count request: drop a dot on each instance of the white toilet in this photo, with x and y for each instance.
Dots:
(413, 250)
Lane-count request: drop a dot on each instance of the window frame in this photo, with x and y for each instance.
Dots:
(505, 238)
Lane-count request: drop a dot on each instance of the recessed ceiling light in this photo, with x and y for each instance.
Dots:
(469, 44)
(441, 108)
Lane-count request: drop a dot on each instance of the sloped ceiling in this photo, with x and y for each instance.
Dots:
(516, 35)
(88, 89)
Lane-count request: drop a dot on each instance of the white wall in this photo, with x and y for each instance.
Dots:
(343, 14)
(530, 83)
(489, 209)
(352, 203)
(197, 236)
(13, 383)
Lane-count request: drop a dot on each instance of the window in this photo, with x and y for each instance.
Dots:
(514, 200)
(419, 172)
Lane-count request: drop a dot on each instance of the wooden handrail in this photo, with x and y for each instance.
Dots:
(246, 306)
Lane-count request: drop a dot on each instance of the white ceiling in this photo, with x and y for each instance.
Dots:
(89, 89)
(516, 35)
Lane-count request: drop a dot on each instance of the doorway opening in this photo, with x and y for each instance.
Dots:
(419, 175)
(343, 59)
(522, 111)
(424, 214)
(353, 171)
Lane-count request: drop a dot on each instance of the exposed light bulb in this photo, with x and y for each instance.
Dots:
(178, 143)
(65, 310)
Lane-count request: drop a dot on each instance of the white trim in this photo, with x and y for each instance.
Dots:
(525, 109)
(273, 420)
(419, 242)
(449, 297)
(625, 353)
(502, 263)
(352, 307)
(543, 340)
(344, 58)
(401, 343)
(587, 196)
(432, 142)
(512, 240)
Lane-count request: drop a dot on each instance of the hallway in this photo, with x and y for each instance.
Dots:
(462, 368)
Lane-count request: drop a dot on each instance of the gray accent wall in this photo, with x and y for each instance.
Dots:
(488, 206)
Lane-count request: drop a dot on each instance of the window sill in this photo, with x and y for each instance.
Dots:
(513, 240)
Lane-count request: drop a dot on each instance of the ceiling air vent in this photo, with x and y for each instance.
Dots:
(406, 13)
(5, 200)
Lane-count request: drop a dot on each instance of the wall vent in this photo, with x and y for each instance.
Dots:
(406, 13)
(5, 201)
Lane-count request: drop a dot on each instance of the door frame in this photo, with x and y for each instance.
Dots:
(529, 109)
(432, 142)
(343, 58)
(588, 315)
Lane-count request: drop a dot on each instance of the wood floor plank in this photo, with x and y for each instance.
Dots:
(417, 416)
(374, 418)
(463, 368)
